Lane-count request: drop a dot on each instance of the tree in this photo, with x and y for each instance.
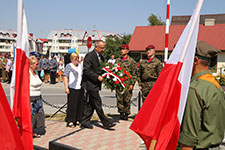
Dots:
(113, 44)
(154, 20)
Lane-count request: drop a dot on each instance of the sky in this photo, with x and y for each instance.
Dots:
(119, 16)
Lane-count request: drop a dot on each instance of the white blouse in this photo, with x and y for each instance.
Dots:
(74, 75)
(35, 85)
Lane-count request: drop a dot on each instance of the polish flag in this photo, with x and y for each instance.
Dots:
(20, 90)
(159, 119)
(10, 137)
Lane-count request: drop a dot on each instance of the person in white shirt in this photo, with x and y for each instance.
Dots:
(75, 94)
(112, 60)
(37, 111)
(9, 68)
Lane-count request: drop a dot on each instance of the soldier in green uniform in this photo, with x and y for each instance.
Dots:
(148, 72)
(4, 74)
(123, 99)
(203, 121)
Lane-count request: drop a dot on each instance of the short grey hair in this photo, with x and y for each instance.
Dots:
(97, 43)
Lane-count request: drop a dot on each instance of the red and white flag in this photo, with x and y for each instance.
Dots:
(159, 119)
(20, 87)
(10, 137)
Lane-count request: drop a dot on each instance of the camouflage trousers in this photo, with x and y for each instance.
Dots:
(4, 74)
(123, 101)
(146, 87)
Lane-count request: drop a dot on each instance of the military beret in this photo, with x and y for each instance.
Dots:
(150, 47)
(205, 50)
(124, 46)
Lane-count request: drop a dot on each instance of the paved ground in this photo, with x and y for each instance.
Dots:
(120, 138)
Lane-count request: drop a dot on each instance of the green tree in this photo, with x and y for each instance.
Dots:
(112, 45)
(155, 21)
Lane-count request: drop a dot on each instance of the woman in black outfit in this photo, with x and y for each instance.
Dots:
(75, 94)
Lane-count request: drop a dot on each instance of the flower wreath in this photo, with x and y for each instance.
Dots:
(114, 76)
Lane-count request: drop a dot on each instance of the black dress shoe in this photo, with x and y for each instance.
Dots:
(82, 126)
(110, 125)
(121, 116)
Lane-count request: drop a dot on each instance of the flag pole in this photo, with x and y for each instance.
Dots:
(153, 144)
(167, 31)
(190, 33)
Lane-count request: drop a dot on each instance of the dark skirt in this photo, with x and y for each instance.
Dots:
(75, 106)
(37, 113)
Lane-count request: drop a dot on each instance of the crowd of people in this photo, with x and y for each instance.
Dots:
(202, 126)
(6, 68)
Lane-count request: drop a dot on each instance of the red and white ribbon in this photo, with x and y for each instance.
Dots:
(109, 73)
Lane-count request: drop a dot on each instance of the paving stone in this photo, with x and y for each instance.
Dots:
(87, 139)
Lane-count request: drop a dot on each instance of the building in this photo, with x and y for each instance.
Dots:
(99, 35)
(204, 19)
(59, 41)
(35, 44)
(145, 35)
(8, 42)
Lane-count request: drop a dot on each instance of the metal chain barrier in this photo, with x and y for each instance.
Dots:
(104, 105)
(114, 106)
(52, 105)
(109, 106)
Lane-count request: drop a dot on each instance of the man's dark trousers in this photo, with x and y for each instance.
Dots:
(52, 77)
(94, 102)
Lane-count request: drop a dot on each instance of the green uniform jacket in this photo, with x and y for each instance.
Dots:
(130, 66)
(1, 63)
(203, 125)
(149, 71)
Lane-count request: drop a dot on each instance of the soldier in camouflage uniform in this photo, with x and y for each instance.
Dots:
(148, 72)
(1, 67)
(123, 99)
(4, 74)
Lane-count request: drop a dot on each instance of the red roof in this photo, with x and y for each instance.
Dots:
(155, 35)
(44, 40)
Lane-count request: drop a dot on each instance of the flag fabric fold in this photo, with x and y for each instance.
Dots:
(20, 90)
(10, 137)
(159, 119)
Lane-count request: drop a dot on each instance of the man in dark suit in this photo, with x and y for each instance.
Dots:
(91, 81)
